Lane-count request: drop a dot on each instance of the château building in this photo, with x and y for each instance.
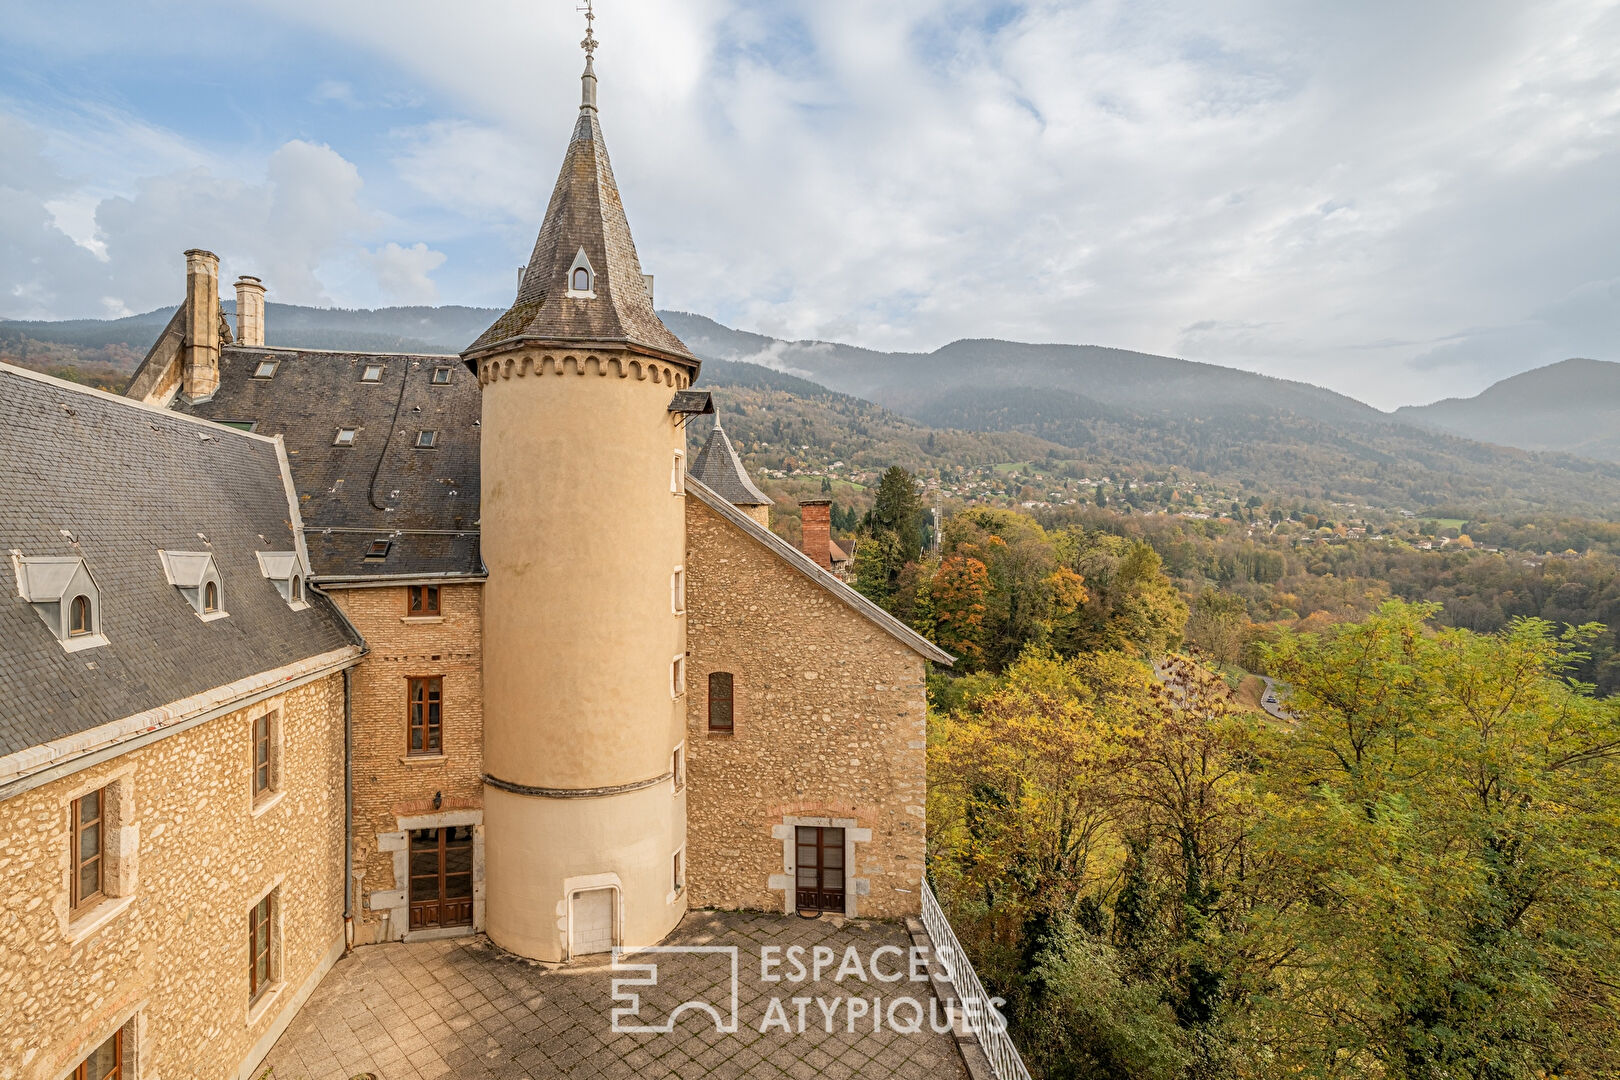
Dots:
(304, 650)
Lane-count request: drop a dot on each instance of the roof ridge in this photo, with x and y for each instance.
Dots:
(342, 352)
(159, 410)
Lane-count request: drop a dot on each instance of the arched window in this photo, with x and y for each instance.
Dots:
(722, 713)
(79, 622)
(582, 279)
(210, 597)
(297, 588)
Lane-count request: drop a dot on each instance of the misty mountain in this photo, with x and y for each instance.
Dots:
(1107, 407)
(1573, 406)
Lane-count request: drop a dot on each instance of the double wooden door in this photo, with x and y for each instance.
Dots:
(820, 869)
(441, 877)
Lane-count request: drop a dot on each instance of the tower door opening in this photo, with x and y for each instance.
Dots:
(820, 869)
(592, 921)
(441, 877)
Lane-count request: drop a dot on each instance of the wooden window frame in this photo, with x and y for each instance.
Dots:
(367, 369)
(441, 376)
(261, 926)
(263, 751)
(79, 899)
(260, 373)
(677, 591)
(424, 593)
(210, 598)
(729, 727)
(117, 1073)
(427, 439)
(820, 842)
(677, 677)
(677, 474)
(76, 628)
(432, 694)
(353, 436)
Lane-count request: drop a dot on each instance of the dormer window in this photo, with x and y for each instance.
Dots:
(441, 376)
(197, 578)
(427, 440)
(79, 618)
(345, 436)
(582, 278)
(287, 572)
(64, 596)
(372, 373)
(266, 369)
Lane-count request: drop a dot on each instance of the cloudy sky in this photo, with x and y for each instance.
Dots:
(1399, 200)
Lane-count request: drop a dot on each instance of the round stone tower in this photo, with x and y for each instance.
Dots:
(584, 534)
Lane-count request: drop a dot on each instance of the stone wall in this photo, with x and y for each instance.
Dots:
(389, 785)
(189, 852)
(830, 715)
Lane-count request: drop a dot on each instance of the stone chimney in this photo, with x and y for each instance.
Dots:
(200, 366)
(817, 518)
(249, 311)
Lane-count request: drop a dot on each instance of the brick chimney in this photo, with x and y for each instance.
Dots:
(199, 377)
(817, 518)
(249, 311)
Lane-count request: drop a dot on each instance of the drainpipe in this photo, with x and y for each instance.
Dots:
(348, 810)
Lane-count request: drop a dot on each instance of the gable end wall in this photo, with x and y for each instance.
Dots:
(831, 719)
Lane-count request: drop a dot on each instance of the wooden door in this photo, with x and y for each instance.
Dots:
(441, 877)
(820, 870)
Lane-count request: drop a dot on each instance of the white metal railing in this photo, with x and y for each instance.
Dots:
(979, 1011)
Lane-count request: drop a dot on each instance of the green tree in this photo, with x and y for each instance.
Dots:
(1451, 800)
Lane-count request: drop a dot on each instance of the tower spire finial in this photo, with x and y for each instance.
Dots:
(588, 80)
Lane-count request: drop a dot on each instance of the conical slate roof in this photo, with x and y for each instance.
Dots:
(720, 470)
(586, 215)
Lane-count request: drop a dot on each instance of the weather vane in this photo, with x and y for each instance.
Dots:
(589, 44)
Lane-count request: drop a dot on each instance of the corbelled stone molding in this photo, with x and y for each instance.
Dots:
(642, 370)
(575, 793)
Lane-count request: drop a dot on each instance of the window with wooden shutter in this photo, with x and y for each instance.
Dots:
(89, 867)
(261, 960)
(426, 716)
(261, 754)
(721, 708)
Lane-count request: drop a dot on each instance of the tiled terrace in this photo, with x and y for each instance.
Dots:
(465, 1010)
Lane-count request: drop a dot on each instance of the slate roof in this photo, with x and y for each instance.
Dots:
(719, 468)
(88, 474)
(801, 562)
(586, 213)
(383, 486)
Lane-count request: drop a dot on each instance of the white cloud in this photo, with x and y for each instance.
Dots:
(402, 272)
(1397, 200)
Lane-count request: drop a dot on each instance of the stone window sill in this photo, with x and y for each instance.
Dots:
(266, 802)
(721, 734)
(424, 759)
(256, 1010)
(421, 618)
(84, 641)
(213, 616)
(93, 919)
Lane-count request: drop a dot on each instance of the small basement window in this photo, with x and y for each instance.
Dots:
(372, 373)
(345, 436)
(266, 369)
(427, 440)
(441, 376)
(378, 550)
